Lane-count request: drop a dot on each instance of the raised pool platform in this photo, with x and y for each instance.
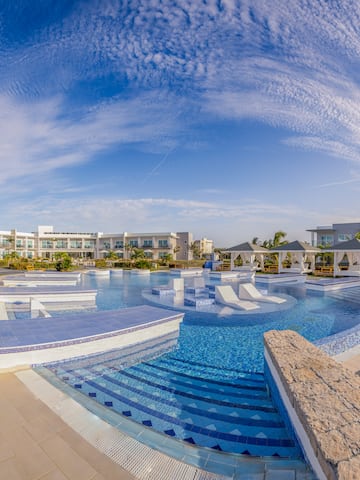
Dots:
(185, 272)
(52, 339)
(331, 284)
(47, 294)
(280, 278)
(206, 303)
(40, 279)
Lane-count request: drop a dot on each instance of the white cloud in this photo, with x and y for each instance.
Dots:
(288, 64)
(37, 137)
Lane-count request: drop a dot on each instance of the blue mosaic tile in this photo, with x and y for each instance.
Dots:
(170, 432)
(108, 404)
(92, 394)
(127, 413)
(217, 447)
(190, 440)
(147, 423)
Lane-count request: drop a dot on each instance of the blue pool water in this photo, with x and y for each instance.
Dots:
(234, 341)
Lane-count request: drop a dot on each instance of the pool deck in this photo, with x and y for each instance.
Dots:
(36, 444)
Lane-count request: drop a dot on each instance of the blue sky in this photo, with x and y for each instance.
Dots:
(228, 118)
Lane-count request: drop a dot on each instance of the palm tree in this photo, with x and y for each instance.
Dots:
(128, 249)
(278, 238)
(12, 257)
(276, 241)
(111, 256)
(193, 247)
(137, 254)
(255, 240)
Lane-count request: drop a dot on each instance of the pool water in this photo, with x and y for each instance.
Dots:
(236, 341)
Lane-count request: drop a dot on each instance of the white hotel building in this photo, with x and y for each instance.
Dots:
(45, 242)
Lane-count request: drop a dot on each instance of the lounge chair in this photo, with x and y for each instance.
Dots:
(247, 291)
(225, 294)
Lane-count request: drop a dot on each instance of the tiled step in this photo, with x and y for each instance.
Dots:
(261, 441)
(222, 425)
(211, 372)
(349, 295)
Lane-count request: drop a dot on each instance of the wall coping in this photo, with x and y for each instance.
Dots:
(322, 398)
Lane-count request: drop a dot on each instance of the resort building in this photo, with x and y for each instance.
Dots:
(45, 242)
(204, 246)
(331, 235)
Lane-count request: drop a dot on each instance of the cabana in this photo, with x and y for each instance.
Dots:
(252, 256)
(296, 257)
(346, 258)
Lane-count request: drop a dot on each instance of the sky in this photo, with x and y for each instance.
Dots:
(231, 119)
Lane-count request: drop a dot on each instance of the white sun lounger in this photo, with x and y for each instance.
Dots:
(247, 291)
(225, 294)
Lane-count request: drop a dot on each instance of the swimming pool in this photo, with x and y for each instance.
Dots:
(233, 342)
(209, 390)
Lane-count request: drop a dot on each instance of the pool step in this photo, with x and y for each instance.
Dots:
(348, 295)
(210, 371)
(230, 417)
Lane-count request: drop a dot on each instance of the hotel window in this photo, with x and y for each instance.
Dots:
(61, 244)
(148, 243)
(75, 244)
(46, 244)
(106, 244)
(89, 244)
(30, 244)
(19, 243)
(163, 244)
(344, 237)
(119, 244)
(326, 240)
(133, 243)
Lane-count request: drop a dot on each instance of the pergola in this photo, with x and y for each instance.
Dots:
(300, 255)
(349, 250)
(252, 256)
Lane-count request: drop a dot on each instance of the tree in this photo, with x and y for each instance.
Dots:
(111, 256)
(12, 257)
(166, 259)
(137, 254)
(255, 240)
(279, 238)
(276, 241)
(63, 261)
(193, 247)
(128, 249)
(357, 236)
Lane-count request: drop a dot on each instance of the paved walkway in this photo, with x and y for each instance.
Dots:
(35, 444)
